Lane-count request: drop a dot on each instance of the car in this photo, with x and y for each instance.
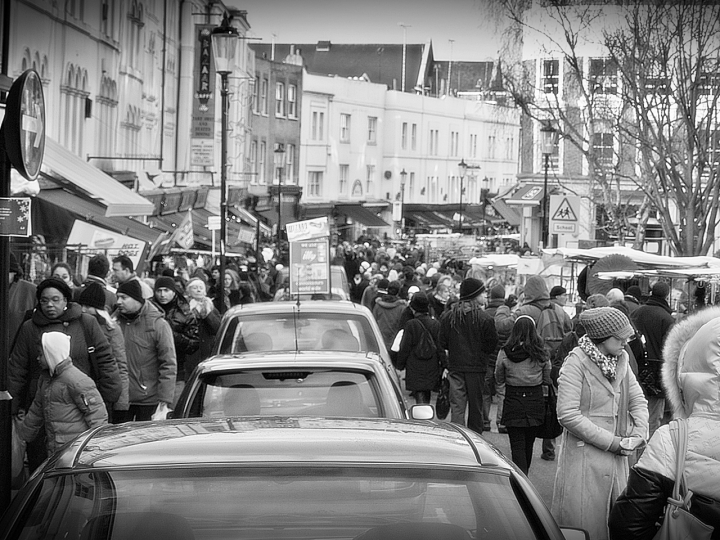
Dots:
(284, 477)
(325, 383)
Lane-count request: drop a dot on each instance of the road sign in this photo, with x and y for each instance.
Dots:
(564, 214)
(24, 124)
(213, 223)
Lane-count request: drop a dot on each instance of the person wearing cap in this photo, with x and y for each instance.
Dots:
(633, 298)
(388, 311)
(97, 272)
(602, 408)
(468, 335)
(67, 402)
(150, 350)
(92, 299)
(692, 386)
(558, 295)
(421, 374)
(55, 312)
(653, 321)
(21, 298)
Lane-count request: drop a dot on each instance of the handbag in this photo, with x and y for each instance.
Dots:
(678, 522)
(551, 427)
(442, 402)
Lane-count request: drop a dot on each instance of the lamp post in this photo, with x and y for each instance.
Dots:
(224, 45)
(403, 175)
(547, 142)
(462, 171)
(279, 164)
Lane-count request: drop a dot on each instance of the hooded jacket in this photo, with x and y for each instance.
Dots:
(691, 378)
(24, 370)
(388, 311)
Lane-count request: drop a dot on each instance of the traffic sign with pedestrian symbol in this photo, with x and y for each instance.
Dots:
(564, 212)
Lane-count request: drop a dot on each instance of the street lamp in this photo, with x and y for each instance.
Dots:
(279, 164)
(462, 170)
(224, 45)
(403, 174)
(547, 142)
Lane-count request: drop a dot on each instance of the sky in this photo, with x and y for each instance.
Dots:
(377, 21)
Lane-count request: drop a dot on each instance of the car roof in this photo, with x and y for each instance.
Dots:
(278, 440)
(283, 359)
(311, 306)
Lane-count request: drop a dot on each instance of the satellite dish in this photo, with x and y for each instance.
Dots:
(610, 263)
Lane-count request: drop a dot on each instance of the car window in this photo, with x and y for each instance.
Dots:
(311, 331)
(288, 393)
(309, 501)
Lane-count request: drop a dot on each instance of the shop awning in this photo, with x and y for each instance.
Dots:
(93, 212)
(116, 198)
(529, 194)
(509, 214)
(250, 219)
(361, 214)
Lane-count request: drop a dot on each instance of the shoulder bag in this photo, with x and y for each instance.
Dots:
(678, 522)
(551, 427)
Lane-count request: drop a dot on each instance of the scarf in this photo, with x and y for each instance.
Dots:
(607, 364)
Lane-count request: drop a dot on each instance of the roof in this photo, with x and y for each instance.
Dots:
(316, 306)
(284, 359)
(279, 441)
(380, 62)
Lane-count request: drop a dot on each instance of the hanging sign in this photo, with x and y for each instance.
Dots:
(15, 216)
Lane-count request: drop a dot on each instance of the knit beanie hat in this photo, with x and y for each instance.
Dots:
(498, 291)
(420, 303)
(635, 292)
(165, 282)
(55, 283)
(132, 289)
(605, 322)
(557, 290)
(660, 289)
(93, 296)
(470, 288)
(382, 285)
(394, 288)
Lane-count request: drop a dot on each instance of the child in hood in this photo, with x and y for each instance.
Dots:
(67, 402)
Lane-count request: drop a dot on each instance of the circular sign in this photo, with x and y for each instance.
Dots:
(24, 124)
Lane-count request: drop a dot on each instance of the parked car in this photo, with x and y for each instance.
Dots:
(315, 383)
(279, 477)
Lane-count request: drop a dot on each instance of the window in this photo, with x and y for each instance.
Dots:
(134, 33)
(413, 137)
(290, 164)
(454, 143)
(264, 97)
(491, 147)
(344, 178)
(370, 179)
(256, 96)
(403, 136)
(372, 129)
(107, 102)
(433, 143)
(603, 76)
(279, 99)
(473, 145)
(254, 162)
(74, 96)
(261, 162)
(603, 147)
(710, 143)
(709, 84)
(550, 78)
(412, 185)
(510, 148)
(318, 121)
(292, 101)
(314, 183)
(345, 128)
(107, 18)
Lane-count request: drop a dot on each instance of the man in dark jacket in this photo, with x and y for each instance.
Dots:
(387, 311)
(497, 299)
(98, 270)
(653, 320)
(468, 335)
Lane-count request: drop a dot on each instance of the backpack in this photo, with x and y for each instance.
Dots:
(426, 348)
(550, 328)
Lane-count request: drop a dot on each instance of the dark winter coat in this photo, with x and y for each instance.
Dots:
(185, 329)
(468, 335)
(66, 404)
(420, 374)
(653, 321)
(208, 327)
(388, 311)
(523, 377)
(24, 369)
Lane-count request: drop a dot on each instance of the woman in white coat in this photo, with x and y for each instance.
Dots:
(602, 408)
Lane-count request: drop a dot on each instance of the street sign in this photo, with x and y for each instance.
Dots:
(24, 124)
(564, 214)
(213, 223)
(15, 216)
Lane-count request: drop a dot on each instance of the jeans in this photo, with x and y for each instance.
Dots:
(522, 440)
(421, 396)
(492, 388)
(466, 390)
(656, 410)
(136, 413)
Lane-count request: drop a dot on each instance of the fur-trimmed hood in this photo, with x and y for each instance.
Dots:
(691, 368)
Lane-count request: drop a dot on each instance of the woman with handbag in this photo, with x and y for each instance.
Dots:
(691, 379)
(523, 367)
(604, 412)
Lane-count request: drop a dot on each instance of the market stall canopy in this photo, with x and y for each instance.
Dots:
(495, 260)
(116, 198)
(640, 257)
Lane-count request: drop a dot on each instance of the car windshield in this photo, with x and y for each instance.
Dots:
(310, 331)
(301, 392)
(297, 502)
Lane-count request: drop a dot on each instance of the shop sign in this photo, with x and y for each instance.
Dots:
(92, 239)
(15, 216)
(310, 266)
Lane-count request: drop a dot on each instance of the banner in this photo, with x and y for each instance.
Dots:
(92, 239)
(202, 130)
(184, 236)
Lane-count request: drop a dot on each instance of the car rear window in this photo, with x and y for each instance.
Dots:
(303, 392)
(310, 331)
(312, 501)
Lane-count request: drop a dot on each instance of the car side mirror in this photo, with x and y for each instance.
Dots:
(571, 533)
(422, 412)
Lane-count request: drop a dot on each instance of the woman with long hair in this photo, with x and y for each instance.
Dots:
(523, 367)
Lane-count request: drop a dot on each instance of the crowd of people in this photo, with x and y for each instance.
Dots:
(94, 352)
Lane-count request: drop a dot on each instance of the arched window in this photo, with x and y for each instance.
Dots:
(75, 94)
